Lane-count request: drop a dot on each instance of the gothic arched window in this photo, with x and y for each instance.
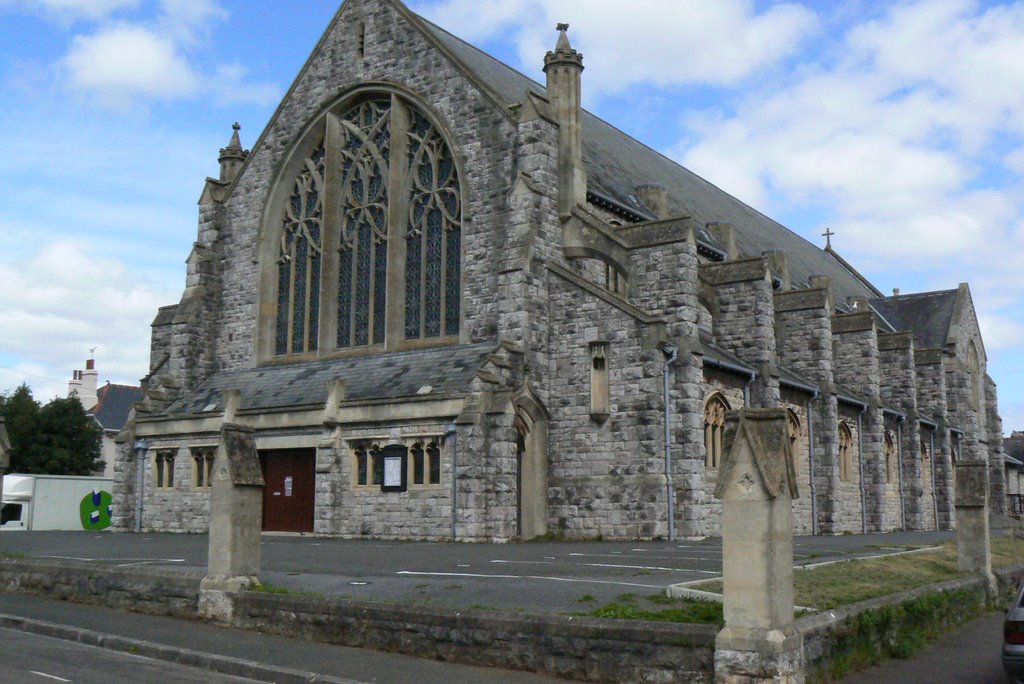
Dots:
(889, 446)
(714, 428)
(845, 452)
(365, 152)
(298, 261)
(367, 235)
(793, 431)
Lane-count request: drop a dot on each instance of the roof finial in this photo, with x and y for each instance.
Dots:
(828, 237)
(236, 142)
(563, 39)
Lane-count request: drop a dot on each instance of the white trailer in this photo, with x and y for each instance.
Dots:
(55, 502)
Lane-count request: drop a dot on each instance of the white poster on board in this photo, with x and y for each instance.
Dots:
(392, 471)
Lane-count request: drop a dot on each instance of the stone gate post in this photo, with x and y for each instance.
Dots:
(757, 484)
(973, 540)
(236, 521)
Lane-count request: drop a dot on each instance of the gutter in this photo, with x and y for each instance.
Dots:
(725, 365)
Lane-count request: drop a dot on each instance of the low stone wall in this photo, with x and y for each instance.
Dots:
(141, 590)
(579, 648)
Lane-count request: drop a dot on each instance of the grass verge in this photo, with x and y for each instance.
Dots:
(659, 608)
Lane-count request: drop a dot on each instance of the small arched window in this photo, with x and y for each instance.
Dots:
(845, 452)
(714, 429)
(793, 430)
(891, 457)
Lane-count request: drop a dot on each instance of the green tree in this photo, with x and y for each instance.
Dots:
(59, 438)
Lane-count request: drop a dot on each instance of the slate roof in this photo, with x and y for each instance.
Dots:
(927, 315)
(393, 375)
(113, 404)
(616, 164)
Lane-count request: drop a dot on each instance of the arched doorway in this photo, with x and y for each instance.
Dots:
(531, 468)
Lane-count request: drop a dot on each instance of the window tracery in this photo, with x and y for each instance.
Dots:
(390, 187)
(793, 430)
(433, 235)
(714, 429)
(845, 452)
(889, 447)
(299, 260)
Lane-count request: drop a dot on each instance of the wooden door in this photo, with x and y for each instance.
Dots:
(288, 496)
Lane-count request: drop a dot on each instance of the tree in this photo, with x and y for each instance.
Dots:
(59, 438)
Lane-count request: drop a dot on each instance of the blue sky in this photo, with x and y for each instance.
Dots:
(900, 125)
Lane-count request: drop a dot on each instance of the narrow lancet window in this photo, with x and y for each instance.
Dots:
(714, 429)
(433, 235)
(363, 251)
(599, 380)
(298, 263)
(845, 452)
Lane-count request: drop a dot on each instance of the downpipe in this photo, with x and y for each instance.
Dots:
(860, 466)
(810, 465)
(140, 451)
(899, 469)
(450, 433)
(671, 353)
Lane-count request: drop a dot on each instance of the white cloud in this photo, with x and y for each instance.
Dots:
(67, 11)
(124, 62)
(65, 299)
(639, 42)
(231, 86)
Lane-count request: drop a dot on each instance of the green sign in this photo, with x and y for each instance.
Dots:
(95, 510)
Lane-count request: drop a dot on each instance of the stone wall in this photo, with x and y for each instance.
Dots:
(931, 394)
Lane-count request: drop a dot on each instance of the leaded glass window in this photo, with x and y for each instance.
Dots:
(298, 263)
(363, 249)
(433, 235)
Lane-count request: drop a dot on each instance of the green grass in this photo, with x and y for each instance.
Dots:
(659, 608)
(839, 584)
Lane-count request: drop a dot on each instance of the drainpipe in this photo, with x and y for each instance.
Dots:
(899, 467)
(860, 465)
(810, 464)
(746, 389)
(935, 497)
(450, 433)
(140, 450)
(671, 352)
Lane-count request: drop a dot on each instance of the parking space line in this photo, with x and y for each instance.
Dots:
(534, 577)
(600, 565)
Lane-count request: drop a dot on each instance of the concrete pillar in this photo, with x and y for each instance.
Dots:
(973, 543)
(236, 521)
(759, 642)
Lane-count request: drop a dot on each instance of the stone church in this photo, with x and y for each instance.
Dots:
(453, 304)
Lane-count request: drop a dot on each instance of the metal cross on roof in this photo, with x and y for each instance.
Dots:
(828, 237)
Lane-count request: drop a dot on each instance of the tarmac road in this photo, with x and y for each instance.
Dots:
(533, 576)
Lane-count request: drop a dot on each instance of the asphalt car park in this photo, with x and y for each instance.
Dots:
(555, 576)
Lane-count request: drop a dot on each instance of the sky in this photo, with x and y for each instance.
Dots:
(897, 125)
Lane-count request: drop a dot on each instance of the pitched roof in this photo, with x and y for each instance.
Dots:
(448, 371)
(927, 316)
(113, 404)
(617, 163)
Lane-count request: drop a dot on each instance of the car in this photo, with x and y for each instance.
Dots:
(1013, 638)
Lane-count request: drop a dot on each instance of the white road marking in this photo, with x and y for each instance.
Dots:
(50, 676)
(600, 565)
(535, 577)
(668, 558)
(462, 565)
(150, 562)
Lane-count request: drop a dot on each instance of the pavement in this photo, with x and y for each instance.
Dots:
(545, 577)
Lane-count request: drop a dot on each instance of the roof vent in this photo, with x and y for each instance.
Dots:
(895, 292)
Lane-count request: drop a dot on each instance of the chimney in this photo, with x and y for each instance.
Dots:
(83, 385)
(564, 67)
(655, 198)
(232, 157)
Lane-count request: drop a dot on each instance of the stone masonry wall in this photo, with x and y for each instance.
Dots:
(849, 518)
(607, 478)
(931, 396)
(745, 320)
(803, 331)
(899, 391)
